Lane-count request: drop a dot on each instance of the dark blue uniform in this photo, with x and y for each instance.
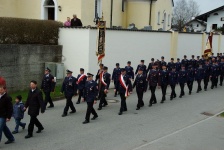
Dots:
(106, 79)
(171, 65)
(115, 78)
(122, 92)
(207, 68)
(178, 66)
(69, 88)
(199, 75)
(142, 67)
(130, 71)
(173, 80)
(193, 63)
(48, 86)
(150, 66)
(163, 82)
(90, 95)
(214, 75)
(141, 87)
(185, 63)
(221, 66)
(162, 63)
(153, 81)
(81, 85)
(182, 79)
(190, 78)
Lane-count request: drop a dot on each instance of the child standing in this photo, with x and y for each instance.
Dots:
(18, 113)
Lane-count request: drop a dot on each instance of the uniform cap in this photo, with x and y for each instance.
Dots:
(117, 64)
(172, 58)
(90, 75)
(105, 68)
(68, 71)
(198, 56)
(48, 69)
(141, 69)
(162, 57)
(192, 55)
(123, 69)
(81, 69)
(152, 59)
(19, 97)
(178, 58)
(185, 56)
(143, 61)
(129, 62)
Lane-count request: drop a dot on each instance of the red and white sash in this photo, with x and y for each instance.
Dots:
(101, 79)
(123, 84)
(81, 78)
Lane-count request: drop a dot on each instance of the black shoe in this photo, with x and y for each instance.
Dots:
(9, 142)
(175, 96)
(126, 109)
(180, 96)
(64, 115)
(39, 130)
(120, 113)
(24, 126)
(28, 136)
(14, 132)
(154, 103)
(72, 112)
(50, 106)
(162, 102)
(99, 108)
(197, 91)
(142, 105)
(189, 93)
(137, 108)
(104, 105)
(78, 102)
(94, 117)
(150, 105)
(85, 122)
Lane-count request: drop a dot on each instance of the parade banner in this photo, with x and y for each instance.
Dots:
(208, 50)
(100, 53)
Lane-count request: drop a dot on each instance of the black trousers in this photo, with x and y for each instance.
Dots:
(221, 79)
(36, 122)
(163, 88)
(115, 86)
(140, 98)
(103, 100)
(80, 95)
(199, 85)
(90, 110)
(173, 93)
(123, 102)
(69, 103)
(190, 85)
(214, 81)
(182, 89)
(206, 80)
(153, 95)
(48, 98)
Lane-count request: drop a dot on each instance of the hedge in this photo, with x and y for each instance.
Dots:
(28, 31)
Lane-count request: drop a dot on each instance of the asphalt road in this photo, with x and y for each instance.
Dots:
(174, 125)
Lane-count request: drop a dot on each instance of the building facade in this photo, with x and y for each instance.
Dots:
(214, 18)
(196, 25)
(157, 13)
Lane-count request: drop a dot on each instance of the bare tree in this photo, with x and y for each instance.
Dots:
(183, 12)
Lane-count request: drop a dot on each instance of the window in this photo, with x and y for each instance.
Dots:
(214, 26)
(158, 22)
(98, 12)
(168, 20)
(197, 25)
(216, 14)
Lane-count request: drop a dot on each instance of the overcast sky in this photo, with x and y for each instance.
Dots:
(207, 5)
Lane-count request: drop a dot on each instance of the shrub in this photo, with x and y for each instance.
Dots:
(28, 31)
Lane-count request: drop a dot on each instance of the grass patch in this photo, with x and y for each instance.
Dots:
(56, 95)
(221, 115)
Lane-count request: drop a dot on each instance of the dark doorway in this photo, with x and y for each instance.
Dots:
(51, 14)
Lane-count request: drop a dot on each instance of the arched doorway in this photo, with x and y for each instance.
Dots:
(49, 9)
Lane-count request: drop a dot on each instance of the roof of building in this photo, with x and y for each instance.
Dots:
(197, 20)
(205, 15)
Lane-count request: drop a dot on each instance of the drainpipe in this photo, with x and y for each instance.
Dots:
(150, 13)
(111, 13)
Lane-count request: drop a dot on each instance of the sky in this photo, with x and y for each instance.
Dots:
(207, 5)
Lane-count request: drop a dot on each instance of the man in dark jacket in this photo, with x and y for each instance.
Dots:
(6, 110)
(90, 94)
(48, 85)
(35, 103)
(76, 22)
(69, 88)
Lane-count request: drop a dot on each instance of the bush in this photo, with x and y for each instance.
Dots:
(28, 31)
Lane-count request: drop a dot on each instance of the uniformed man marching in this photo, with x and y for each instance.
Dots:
(178, 65)
(129, 70)
(185, 62)
(90, 96)
(163, 81)
(123, 84)
(105, 78)
(207, 74)
(81, 81)
(142, 66)
(162, 63)
(69, 88)
(199, 75)
(141, 87)
(221, 64)
(214, 75)
(171, 64)
(190, 78)
(173, 80)
(182, 79)
(150, 65)
(115, 77)
(48, 85)
(153, 81)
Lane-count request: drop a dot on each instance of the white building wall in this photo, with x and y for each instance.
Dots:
(222, 44)
(212, 19)
(189, 44)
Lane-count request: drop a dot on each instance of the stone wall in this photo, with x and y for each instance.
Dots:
(20, 64)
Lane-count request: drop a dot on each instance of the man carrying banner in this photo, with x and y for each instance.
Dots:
(81, 84)
(105, 78)
(123, 84)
